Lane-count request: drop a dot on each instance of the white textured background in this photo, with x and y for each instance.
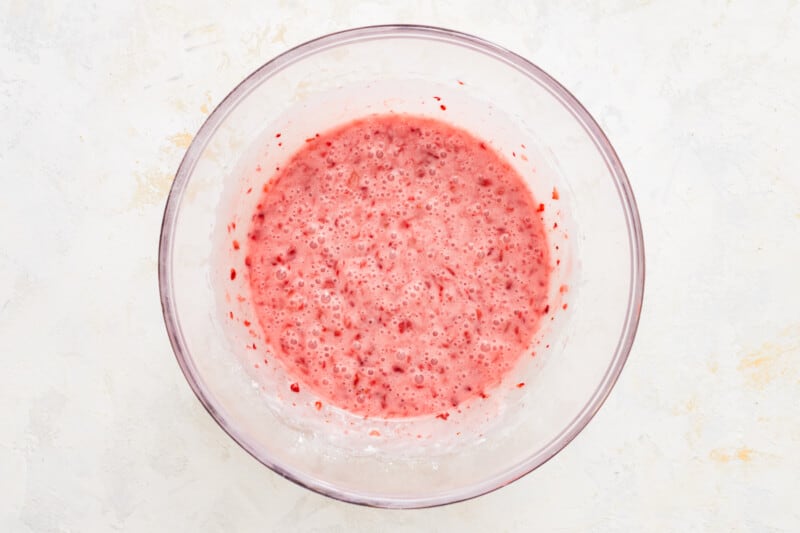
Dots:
(98, 430)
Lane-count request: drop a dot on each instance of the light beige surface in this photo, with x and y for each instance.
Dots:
(99, 430)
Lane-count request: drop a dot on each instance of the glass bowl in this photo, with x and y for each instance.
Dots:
(594, 236)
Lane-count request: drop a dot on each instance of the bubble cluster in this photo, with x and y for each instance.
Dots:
(398, 266)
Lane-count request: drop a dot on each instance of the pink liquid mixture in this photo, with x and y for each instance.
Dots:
(398, 266)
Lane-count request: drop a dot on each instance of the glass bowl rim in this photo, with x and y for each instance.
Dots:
(536, 75)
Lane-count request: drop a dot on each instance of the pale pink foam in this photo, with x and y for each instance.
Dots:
(398, 266)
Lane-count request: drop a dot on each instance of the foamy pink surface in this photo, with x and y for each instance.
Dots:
(398, 266)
